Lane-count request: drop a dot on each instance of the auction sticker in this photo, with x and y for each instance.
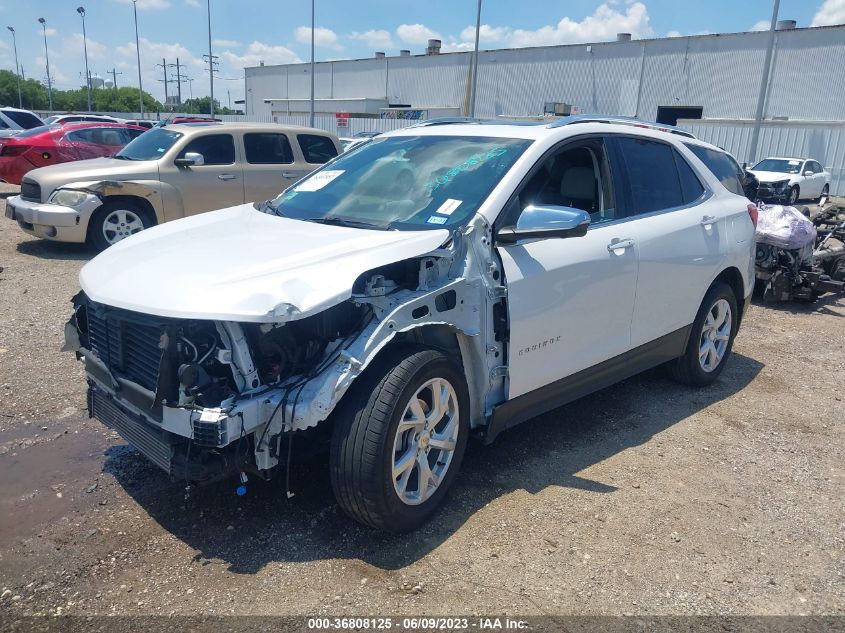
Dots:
(448, 207)
(319, 180)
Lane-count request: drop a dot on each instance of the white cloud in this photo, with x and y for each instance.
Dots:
(761, 25)
(225, 43)
(148, 4)
(603, 24)
(323, 37)
(489, 34)
(50, 31)
(375, 39)
(259, 52)
(416, 33)
(831, 12)
(674, 34)
(193, 3)
(72, 46)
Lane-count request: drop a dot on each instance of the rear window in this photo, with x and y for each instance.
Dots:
(652, 175)
(36, 130)
(267, 148)
(26, 120)
(316, 149)
(690, 184)
(725, 169)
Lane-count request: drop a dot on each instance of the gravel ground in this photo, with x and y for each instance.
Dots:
(647, 498)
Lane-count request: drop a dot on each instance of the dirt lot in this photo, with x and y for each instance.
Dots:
(646, 498)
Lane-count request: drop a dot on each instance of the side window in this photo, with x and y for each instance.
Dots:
(268, 149)
(690, 184)
(652, 175)
(216, 149)
(82, 136)
(108, 136)
(577, 177)
(817, 168)
(722, 166)
(26, 120)
(316, 149)
(133, 133)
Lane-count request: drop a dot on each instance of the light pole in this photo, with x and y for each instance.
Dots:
(17, 68)
(138, 51)
(47, 56)
(81, 11)
(764, 83)
(210, 63)
(311, 118)
(475, 62)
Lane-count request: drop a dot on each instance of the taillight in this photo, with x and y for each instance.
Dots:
(13, 150)
(752, 213)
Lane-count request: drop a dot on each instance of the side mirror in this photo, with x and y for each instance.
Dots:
(191, 159)
(541, 222)
(809, 172)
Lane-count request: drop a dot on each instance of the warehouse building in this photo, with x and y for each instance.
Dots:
(706, 76)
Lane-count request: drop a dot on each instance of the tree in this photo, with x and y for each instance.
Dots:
(202, 105)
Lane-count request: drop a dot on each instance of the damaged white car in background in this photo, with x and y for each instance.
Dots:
(412, 292)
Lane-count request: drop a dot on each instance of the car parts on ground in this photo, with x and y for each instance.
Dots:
(799, 258)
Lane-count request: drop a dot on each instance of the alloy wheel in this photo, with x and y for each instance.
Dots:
(120, 224)
(715, 335)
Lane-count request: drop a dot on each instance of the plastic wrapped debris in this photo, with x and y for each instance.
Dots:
(785, 227)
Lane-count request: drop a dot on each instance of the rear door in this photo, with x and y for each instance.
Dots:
(85, 142)
(216, 184)
(269, 165)
(569, 301)
(680, 230)
(316, 150)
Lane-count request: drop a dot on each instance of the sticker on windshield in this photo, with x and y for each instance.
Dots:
(319, 180)
(795, 162)
(448, 207)
(436, 220)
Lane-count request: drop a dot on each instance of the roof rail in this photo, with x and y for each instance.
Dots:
(620, 120)
(466, 120)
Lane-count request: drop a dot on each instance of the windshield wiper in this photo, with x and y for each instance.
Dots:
(358, 224)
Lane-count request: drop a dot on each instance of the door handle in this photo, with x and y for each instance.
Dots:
(620, 244)
(291, 174)
(227, 176)
(709, 220)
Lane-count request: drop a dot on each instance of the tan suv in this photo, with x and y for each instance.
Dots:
(166, 173)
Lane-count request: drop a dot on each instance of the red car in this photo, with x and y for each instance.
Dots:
(53, 144)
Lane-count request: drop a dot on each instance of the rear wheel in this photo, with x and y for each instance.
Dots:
(400, 439)
(710, 340)
(115, 221)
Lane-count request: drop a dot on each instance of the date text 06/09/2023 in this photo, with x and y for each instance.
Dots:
(417, 623)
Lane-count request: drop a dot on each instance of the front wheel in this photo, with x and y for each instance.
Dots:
(400, 438)
(794, 194)
(825, 192)
(711, 339)
(115, 221)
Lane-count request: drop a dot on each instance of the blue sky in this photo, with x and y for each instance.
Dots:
(278, 31)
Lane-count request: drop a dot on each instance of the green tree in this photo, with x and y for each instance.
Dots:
(202, 105)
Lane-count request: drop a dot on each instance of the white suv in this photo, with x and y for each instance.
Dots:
(446, 280)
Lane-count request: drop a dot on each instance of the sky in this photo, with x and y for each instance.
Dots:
(245, 32)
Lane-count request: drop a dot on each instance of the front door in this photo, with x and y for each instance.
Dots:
(216, 184)
(569, 300)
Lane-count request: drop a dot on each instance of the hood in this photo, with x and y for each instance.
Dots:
(92, 170)
(240, 264)
(771, 176)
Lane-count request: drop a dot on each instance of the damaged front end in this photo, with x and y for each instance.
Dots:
(206, 399)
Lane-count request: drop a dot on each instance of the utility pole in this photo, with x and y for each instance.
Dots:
(311, 119)
(177, 79)
(17, 68)
(764, 84)
(163, 65)
(114, 73)
(81, 11)
(138, 51)
(475, 62)
(47, 56)
(210, 62)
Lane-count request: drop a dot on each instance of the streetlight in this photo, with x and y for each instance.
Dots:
(81, 11)
(47, 56)
(764, 83)
(475, 61)
(312, 65)
(17, 68)
(138, 51)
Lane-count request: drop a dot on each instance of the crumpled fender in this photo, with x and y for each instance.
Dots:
(165, 199)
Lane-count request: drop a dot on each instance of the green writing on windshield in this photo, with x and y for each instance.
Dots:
(469, 163)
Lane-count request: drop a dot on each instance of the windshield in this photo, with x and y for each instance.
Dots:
(150, 145)
(782, 165)
(404, 182)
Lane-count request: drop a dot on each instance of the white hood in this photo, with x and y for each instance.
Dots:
(239, 264)
(772, 176)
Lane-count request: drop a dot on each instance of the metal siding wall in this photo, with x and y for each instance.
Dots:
(823, 142)
(361, 78)
(665, 76)
(429, 80)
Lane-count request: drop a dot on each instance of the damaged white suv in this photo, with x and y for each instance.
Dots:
(446, 280)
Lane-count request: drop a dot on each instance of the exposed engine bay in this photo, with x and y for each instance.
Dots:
(798, 258)
(205, 399)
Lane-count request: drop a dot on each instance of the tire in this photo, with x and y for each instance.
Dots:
(794, 195)
(115, 221)
(825, 192)
(690, 369)
(368, 443)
